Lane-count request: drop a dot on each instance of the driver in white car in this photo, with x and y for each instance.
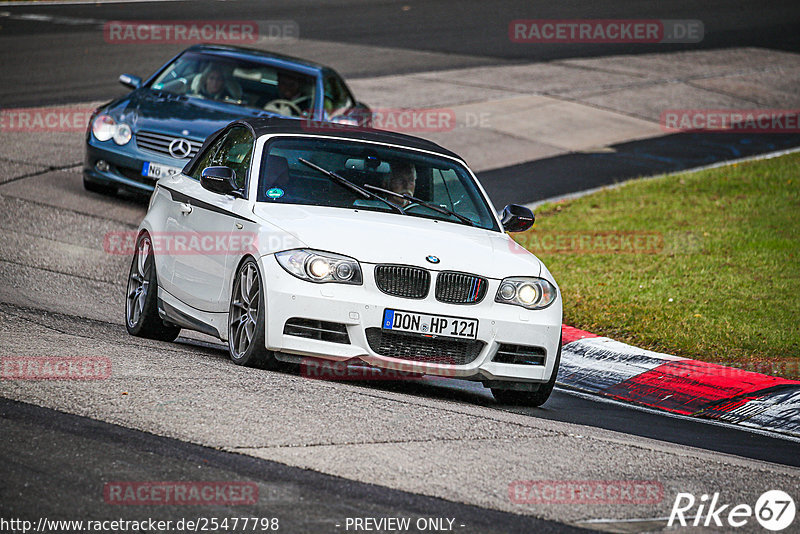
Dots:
(403, 180)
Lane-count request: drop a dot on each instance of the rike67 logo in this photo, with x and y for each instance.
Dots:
(774, 510)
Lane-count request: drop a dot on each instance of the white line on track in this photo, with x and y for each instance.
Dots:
(53, 19)
(80, 3)
(476, 387)
(631, 520)
(609, 523)
(579, 194)
(598, 398)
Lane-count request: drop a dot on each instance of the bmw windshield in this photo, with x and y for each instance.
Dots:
(239, 82)
(286, 178)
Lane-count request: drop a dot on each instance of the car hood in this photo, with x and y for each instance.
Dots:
(372, 237)
(183, 116)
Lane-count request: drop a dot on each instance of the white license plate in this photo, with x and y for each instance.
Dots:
(157, 170)
(431, 325)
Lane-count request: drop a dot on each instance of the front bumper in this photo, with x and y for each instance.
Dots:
(361, 307)
(125, 164)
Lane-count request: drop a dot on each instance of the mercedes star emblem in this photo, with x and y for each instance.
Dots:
(180, 148)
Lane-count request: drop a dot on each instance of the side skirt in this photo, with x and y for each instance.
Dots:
(171, 310)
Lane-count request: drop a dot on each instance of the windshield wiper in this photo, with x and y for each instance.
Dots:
(344, 182)
(425, 203)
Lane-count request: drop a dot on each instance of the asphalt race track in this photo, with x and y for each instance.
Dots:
(434, 36)
(322, 452)
(305, 501)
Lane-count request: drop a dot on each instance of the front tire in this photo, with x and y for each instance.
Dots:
(141, 303)
(530, 398)
(246, 331)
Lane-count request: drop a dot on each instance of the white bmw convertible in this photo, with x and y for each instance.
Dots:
(292, 242)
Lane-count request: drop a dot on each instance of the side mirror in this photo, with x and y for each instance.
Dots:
(517, 218)
(219, 180)
(362, 114)
(131, 81)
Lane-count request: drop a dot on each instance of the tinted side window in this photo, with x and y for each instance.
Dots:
(236, 152)
(337, 97)
(207, 159)
(233, 149)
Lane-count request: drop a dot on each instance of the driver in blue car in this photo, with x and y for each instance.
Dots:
(294, 99)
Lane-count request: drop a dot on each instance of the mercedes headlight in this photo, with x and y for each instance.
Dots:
(104, 127)
(123, 134)
(531, 293)
(320, 267)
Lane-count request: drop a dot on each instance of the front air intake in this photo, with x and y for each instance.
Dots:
(319, 330)
(519, 355)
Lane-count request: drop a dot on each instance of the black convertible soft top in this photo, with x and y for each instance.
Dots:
(276, 125)
(281, 125)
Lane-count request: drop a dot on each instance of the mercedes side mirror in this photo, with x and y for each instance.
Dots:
(131, 81)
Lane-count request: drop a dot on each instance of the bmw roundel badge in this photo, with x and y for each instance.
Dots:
(433, 259)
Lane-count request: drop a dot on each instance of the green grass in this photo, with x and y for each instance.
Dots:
(725, 285)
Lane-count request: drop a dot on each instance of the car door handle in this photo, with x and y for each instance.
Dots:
(186, 209)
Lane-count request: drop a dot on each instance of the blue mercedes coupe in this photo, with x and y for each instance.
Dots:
(156, 129)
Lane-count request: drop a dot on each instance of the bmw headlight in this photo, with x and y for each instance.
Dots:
(531, 293)
(320, 267)
(104, 127)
